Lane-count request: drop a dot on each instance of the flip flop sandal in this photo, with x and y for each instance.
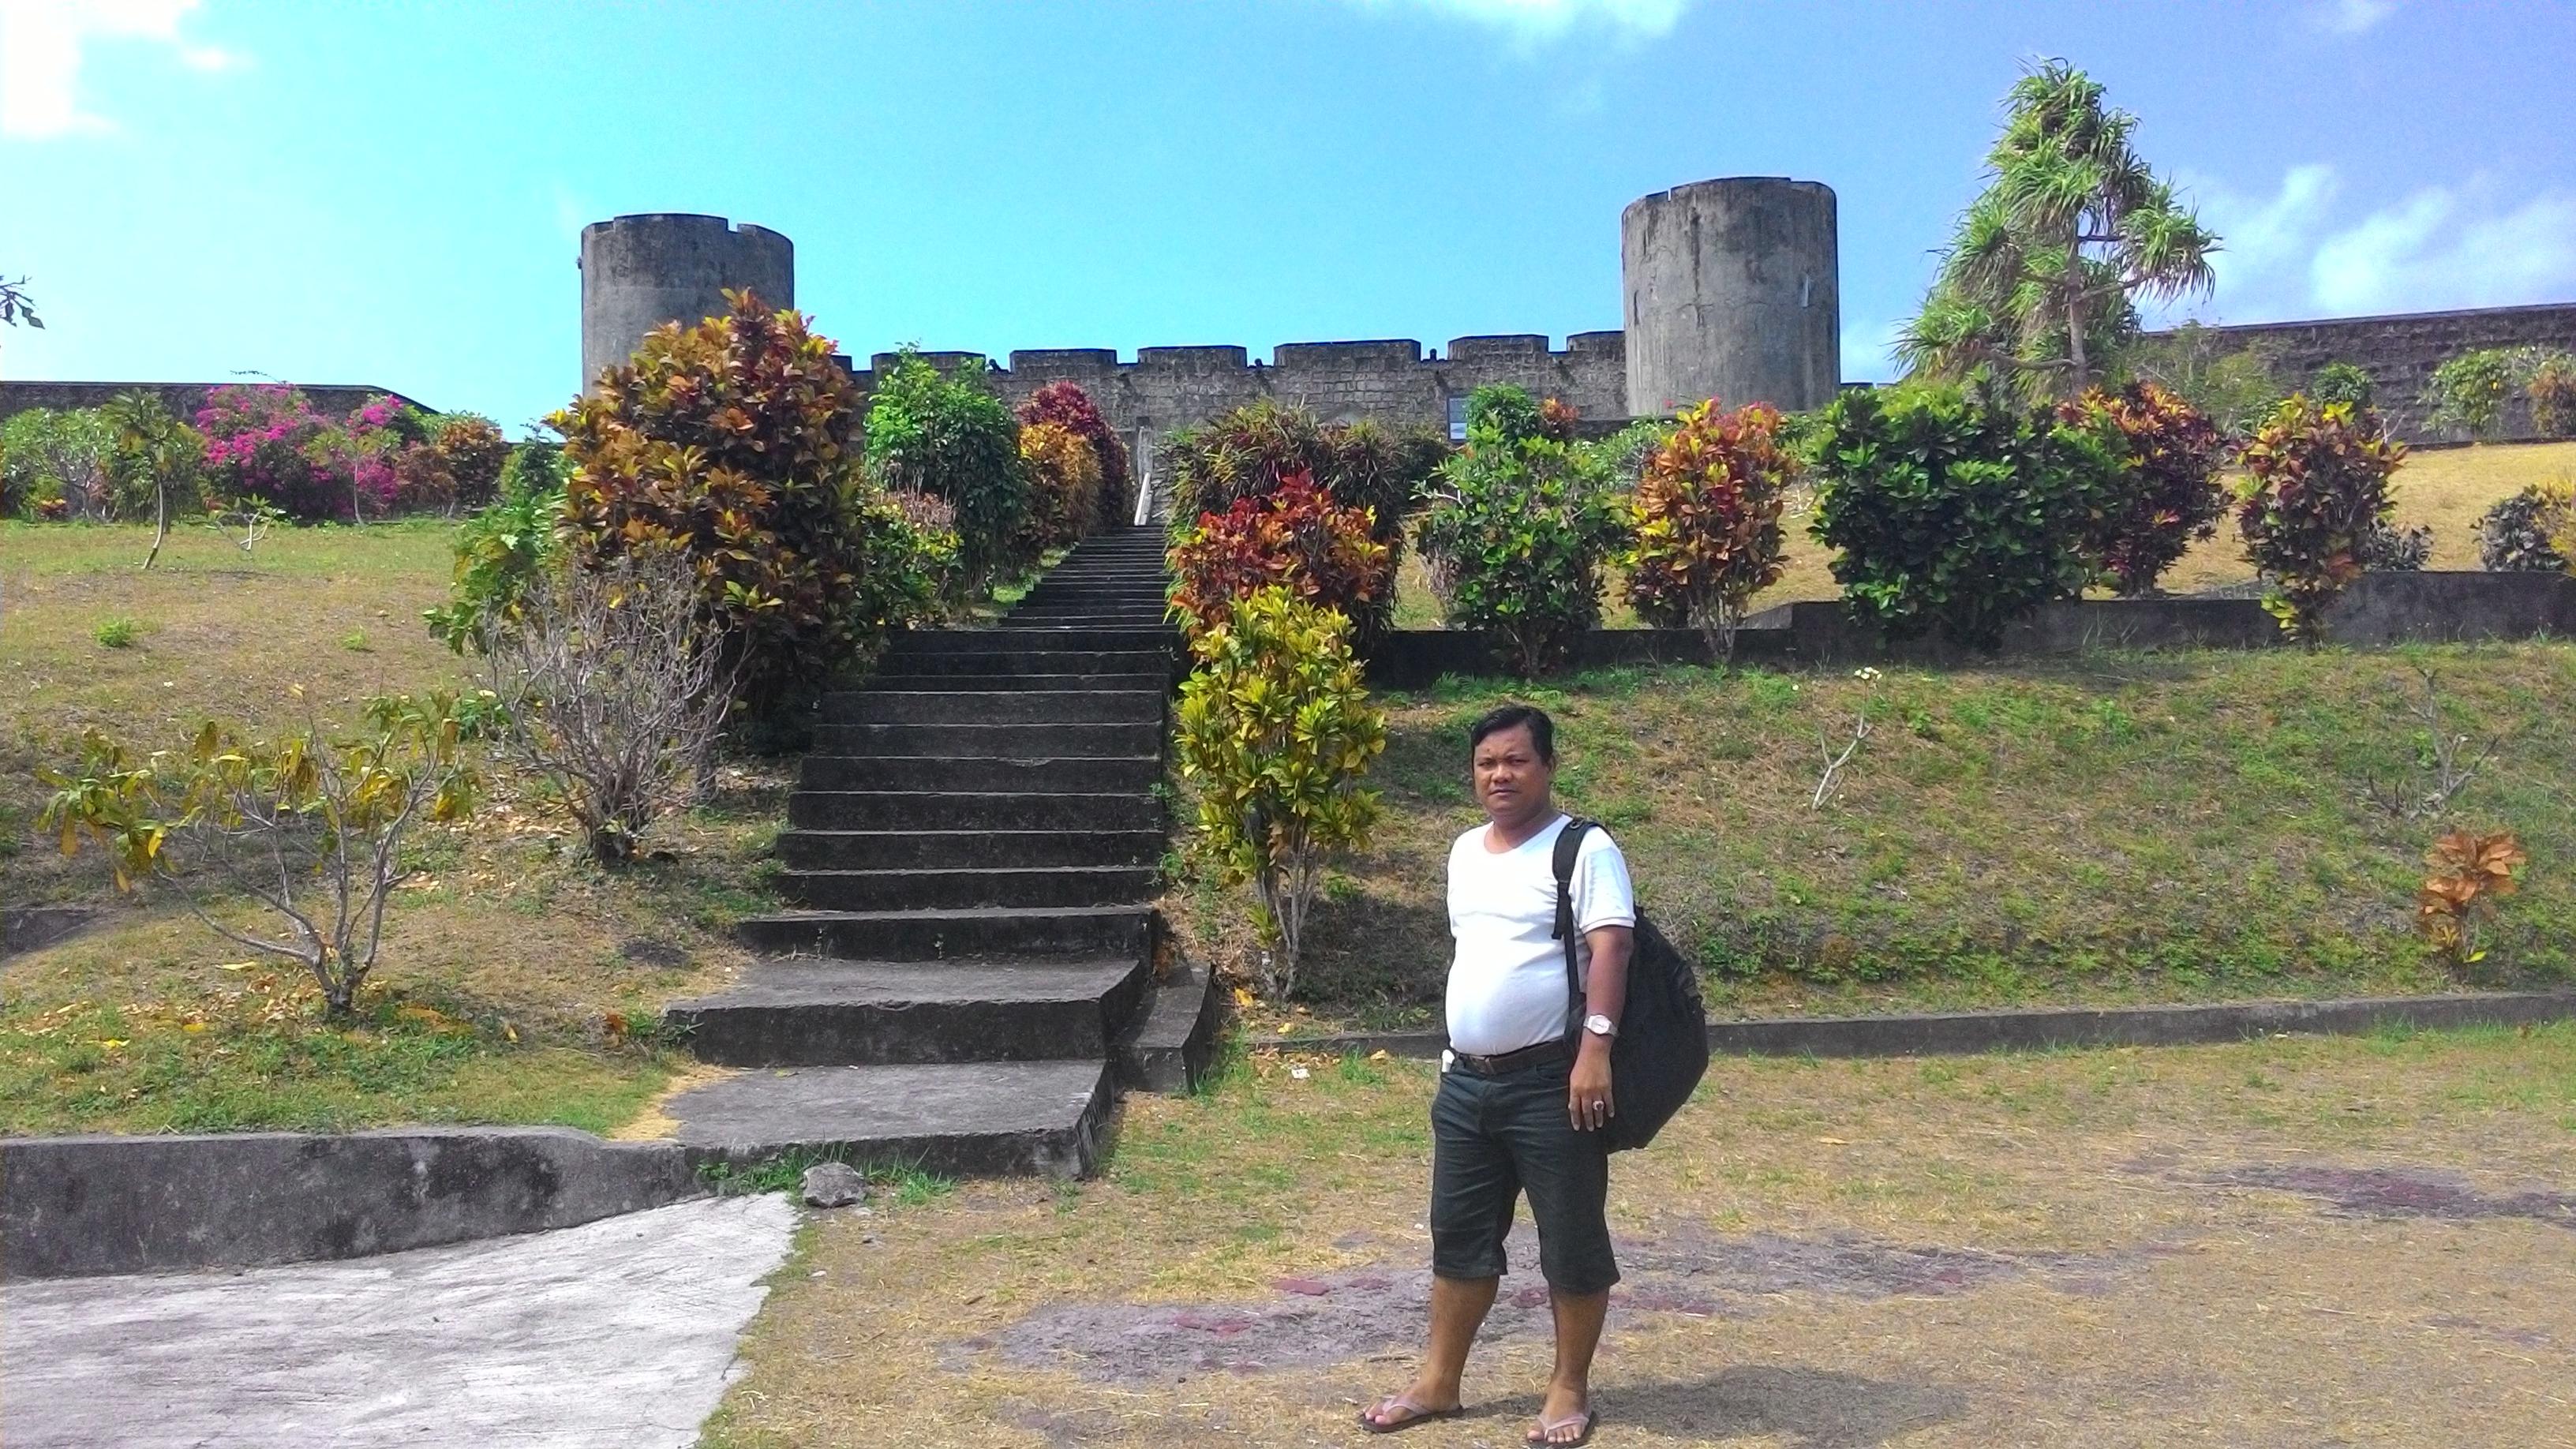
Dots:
(1547, 1427)
(1415, 1415)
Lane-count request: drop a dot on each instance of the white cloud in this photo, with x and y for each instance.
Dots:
(1536, 20)
(2433, 251)
(2260, 237)
(1869, 350)
(2349, 17)
(42, 45)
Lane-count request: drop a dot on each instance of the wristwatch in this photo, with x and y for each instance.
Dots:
(1600, 1025)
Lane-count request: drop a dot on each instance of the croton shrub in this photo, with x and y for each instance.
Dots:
(1705, 520)
(2314, 495)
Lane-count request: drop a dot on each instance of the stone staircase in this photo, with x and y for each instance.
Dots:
(973, 846)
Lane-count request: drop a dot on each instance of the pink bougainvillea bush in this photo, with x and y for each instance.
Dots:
(266, 441)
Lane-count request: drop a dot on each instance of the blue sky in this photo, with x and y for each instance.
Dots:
(384, 193)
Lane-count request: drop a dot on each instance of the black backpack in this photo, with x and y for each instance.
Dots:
(1661, 1050)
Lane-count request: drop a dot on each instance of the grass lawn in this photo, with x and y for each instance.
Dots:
(2113, 827)
(2286, 1241)
(516, 984)
(2446, 489)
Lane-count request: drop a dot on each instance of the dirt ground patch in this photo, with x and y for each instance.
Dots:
(2293, 1242)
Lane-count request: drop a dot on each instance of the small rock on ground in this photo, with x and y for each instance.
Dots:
(834, 1184)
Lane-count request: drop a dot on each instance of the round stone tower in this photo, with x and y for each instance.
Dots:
(638, 272)
(1732, 294)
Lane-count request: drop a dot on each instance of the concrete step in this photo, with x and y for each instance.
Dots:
(1100, 775)
(947, 810)
(1151, 610)
(998, 656)
(1140, 587)
(995, 741)
(1172, 1039)
(1087, 633)
(979, 933)
(864, 1013)
(958, 888)
(985, 1119)
(930, 643)
(969, 706)
(949, 849)
(1158, 680)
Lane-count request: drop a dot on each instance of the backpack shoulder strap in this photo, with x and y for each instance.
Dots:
(1569, 844)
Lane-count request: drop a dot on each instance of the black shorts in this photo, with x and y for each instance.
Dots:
(1494, 1138)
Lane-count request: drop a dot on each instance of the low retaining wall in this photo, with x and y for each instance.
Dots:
(1964, 1033)
(2378, 610)
(77, 1206)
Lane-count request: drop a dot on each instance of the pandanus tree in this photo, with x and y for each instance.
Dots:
(2040, 285)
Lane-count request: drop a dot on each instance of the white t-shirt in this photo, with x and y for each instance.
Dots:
(1507, 980)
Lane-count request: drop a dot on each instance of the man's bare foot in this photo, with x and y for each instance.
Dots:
(1564, 1417)
(1418, 1404)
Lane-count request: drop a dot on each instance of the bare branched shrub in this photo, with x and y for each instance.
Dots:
(2452, 764)
(615, 688)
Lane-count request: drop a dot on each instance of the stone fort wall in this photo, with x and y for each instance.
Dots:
(1394, 381)
(1399, 382)
(2400, 352)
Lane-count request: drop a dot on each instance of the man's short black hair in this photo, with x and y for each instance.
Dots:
(1542, 730)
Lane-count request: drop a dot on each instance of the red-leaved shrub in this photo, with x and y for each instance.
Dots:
(1294, 536)
(2170, 496)
(1068, 406)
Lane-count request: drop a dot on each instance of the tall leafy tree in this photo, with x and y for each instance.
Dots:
(2040, 285)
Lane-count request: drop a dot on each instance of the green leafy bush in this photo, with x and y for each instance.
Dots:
(1277, 731)
(58, 457)
(2389, 549)
(2167, 497)
(1067, 405)
(1295, 537)
(500, 552)
(2315, 490)
(535, 466)
(2236, 389)
(1624, 454)
(2343, 382)
(731, 440)
(1956, 513)
(2467, 393)
(1519, 529)
(2515, 535)
(1706, 521)
(950, 438)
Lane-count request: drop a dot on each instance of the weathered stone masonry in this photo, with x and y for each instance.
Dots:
(2401, 351)
(1393, 380)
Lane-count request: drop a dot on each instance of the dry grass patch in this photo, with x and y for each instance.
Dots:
(516, 983)
(2283, 1241)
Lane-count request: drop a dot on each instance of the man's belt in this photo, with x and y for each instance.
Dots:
(1528, 1056)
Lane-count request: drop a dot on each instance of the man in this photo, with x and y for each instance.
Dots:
(1522, 1102)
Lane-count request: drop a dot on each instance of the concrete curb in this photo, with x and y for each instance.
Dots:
(78, 1206)
(1969, 1032)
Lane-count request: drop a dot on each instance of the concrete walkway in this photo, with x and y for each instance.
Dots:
(616, 1333)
